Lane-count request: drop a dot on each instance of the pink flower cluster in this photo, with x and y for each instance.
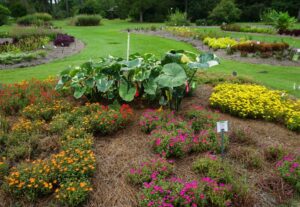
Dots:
(151, 170)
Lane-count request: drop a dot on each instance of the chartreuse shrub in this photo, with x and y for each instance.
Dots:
(87, 20)
(166, 81)
(289, 168)
(152, 169)
(178, 19)
(258, 102)
(219, 43)
(37, 19)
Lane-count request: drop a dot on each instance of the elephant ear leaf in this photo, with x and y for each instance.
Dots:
(150, 87)
(204, 61)
(173, 75)
(103, 84)
(79, 91)
(127, 90)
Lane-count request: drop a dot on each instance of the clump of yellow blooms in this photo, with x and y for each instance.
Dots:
(46, 110)
(259, 102)
(28, 126)
(73, 192)
(181, 31)
(219, 43)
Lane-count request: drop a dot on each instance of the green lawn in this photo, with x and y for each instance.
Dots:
(109, 39)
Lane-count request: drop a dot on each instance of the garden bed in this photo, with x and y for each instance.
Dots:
(53, 53)
(116, 154)
(221, 53)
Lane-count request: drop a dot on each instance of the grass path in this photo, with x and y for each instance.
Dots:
(109, 39)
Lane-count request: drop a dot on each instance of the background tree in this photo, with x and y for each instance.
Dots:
(225, 11)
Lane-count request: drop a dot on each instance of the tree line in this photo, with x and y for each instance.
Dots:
(147, 10)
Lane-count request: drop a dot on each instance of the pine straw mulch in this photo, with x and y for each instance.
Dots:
(116, 154)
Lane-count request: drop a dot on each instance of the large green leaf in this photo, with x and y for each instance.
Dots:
(79, 91)
(127, 90)
(150, 87)
(173, 75)
(103, 84)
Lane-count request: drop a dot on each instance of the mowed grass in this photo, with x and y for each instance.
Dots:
(109, 39)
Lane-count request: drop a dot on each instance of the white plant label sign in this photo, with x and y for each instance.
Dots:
(222, 126)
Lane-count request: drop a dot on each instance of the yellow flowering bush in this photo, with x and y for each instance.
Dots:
(27, 126)
(219, 43)
(46, 110)
(259, 102)
(42, 177)
(73, 192)
(181, 31)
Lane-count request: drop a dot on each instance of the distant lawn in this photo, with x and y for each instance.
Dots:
(109, 39)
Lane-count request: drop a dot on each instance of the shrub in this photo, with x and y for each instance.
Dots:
(178, 19)
(254, 101)
(289, 169)
(107, 120)
(275, 153)
(24, 44)
(28, 126)
(38, 178)
(4, 124)
(249, 29)
(45, 111)
(201, 119)
(175, 191)
(87, 20)
(212, 166)
(150, 170)
(38, 19)
(220, 43)
(15, 97)
(4, 169)
(12, 58)
(225, 11)
(249, 157)
(294, 32)
(90, 7)
(73, 192)
(201, 22)
(268, 16)
(19, 33)
(284, 21)
(262, 47)
(4, 14)
(63, 40)
(18, 9)
(242, 136)
(150, 120)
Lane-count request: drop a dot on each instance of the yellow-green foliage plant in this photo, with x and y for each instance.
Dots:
(258, 102)
(219, 43)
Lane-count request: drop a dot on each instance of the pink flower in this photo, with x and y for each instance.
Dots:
(158, 142)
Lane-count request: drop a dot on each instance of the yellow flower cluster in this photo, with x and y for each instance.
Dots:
(28, 126)
(219, 43)
(40, 176)
(181, 31)
(46, 111)
(255, 101)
